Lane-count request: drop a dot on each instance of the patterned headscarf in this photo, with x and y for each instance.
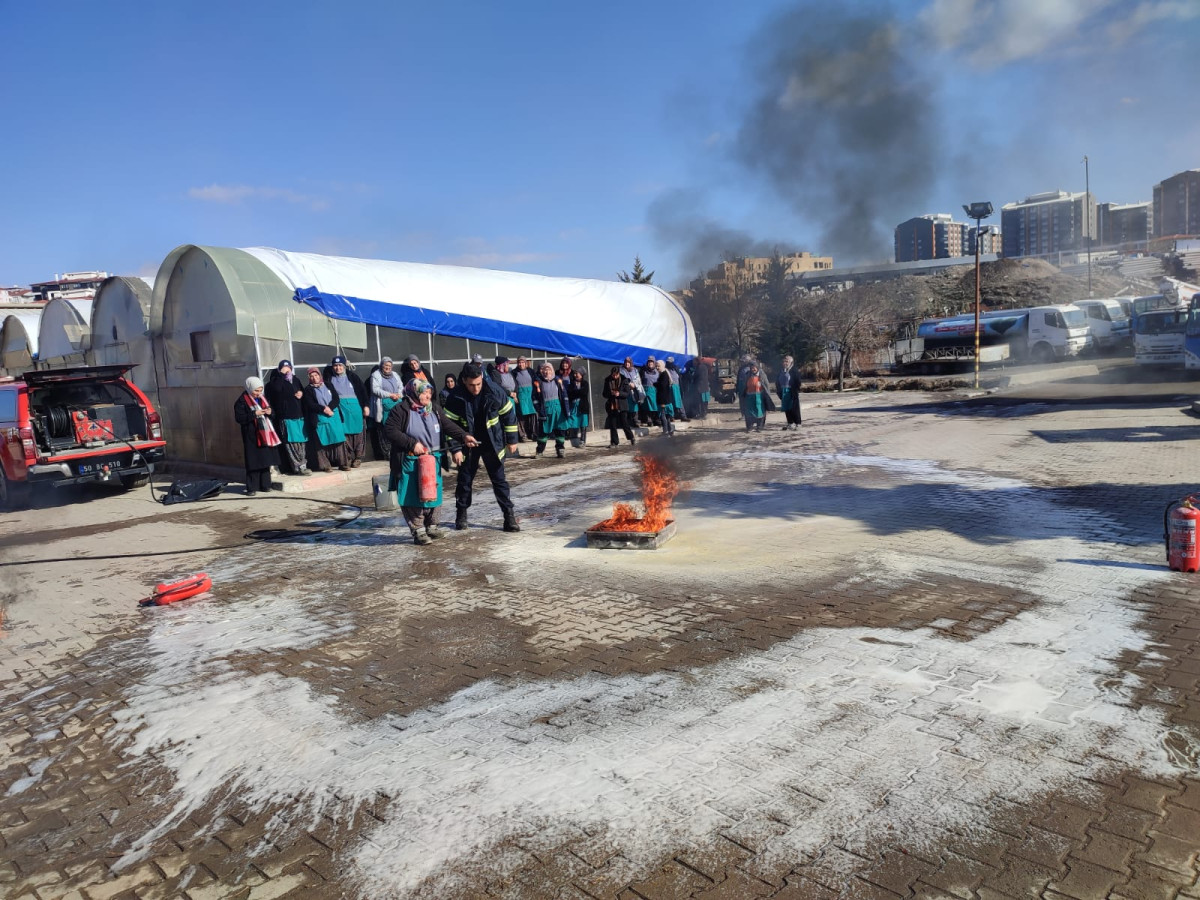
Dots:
(415, 388)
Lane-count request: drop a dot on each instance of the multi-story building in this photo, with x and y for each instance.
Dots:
(992, 241)
(1048, 223)
(932, 236)
(1177, 205)
(1123, 225)
(755, 268)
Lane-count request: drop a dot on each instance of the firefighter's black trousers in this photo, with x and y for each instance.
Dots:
(495, 471)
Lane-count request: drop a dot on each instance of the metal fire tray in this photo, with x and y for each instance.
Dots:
(630, 540)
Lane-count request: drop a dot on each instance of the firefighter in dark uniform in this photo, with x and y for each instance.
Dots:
(482, 409)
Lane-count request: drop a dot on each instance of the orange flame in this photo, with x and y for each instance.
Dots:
(660, 484)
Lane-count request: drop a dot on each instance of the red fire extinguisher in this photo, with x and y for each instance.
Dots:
(427, 478)
(1179, 531)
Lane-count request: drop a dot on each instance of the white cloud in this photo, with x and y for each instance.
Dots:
(994, 32)
(1154, 11)
(233, 194)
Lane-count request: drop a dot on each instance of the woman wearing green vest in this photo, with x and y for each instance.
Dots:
(350, 395)
(324, 423)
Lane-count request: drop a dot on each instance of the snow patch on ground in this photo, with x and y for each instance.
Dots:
(817, 732)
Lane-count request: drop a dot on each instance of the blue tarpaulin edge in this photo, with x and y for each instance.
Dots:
(432, 321)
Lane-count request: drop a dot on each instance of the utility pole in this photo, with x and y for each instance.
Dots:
(1087, 218)
(978, 212)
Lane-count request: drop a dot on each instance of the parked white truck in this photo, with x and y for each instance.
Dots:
(1109, 322)
(1037, 334)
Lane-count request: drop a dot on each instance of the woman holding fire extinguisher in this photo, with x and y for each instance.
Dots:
(417, 430)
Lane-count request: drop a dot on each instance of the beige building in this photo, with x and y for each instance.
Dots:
(755, 268)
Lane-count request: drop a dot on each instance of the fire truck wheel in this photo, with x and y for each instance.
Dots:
(13, 495)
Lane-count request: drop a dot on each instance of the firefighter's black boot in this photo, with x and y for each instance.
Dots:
(510, 522)
(460, 518)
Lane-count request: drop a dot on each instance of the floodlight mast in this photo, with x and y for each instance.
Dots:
(977, 211)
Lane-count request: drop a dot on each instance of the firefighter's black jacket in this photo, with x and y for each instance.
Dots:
(499, 414)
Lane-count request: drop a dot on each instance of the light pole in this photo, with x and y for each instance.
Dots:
(978, 212)
(1087, 218)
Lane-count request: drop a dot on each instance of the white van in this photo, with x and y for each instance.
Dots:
(1109, 322)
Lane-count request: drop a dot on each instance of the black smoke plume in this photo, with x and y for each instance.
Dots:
(840, 124)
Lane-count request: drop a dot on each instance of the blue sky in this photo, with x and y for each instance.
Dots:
(563, 138)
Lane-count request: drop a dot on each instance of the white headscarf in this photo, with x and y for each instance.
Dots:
(253, 383)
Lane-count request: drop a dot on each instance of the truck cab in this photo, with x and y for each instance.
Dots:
(1108, 322)
(1057, 332)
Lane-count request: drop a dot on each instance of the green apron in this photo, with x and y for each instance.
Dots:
(652, 397)
(407, 485)
(525, 405)
(571, 420)
(352, 416)
(293, 431)
(677, 395)
(329, 430)
(705, 397)
(754, 405)
(386, 404)
(554, 418)
(785, 401)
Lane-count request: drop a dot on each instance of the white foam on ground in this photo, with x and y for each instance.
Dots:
(836, 732)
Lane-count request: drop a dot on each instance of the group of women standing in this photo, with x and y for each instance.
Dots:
(321, 422)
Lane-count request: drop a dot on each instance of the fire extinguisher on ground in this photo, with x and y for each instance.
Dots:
(1179, 531)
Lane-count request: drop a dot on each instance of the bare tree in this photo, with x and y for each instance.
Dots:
(846, 321)
(729, 312)
(744, 301)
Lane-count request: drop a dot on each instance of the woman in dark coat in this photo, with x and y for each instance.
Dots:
(411, 368)
(447, 386)
(616, 392)
(283, 393)
(579, 395)
(259, 440)
(416, 426)
(664, 390)
(789, 393)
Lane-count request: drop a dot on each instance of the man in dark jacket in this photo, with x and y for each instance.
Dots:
(482, 409)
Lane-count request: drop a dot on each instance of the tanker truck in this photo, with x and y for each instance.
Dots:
(1036, 334)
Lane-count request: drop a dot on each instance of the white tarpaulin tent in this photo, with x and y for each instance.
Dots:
(599, 320)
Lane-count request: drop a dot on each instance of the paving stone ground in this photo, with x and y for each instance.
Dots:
(921, 648)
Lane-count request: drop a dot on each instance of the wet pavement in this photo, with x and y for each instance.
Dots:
(919, 648)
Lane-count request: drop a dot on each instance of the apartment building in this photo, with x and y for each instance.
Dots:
(1123, 225)
(932, 236)
(1177, 205)
(1048, 223)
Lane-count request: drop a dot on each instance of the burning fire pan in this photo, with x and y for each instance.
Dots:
(630, 540)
